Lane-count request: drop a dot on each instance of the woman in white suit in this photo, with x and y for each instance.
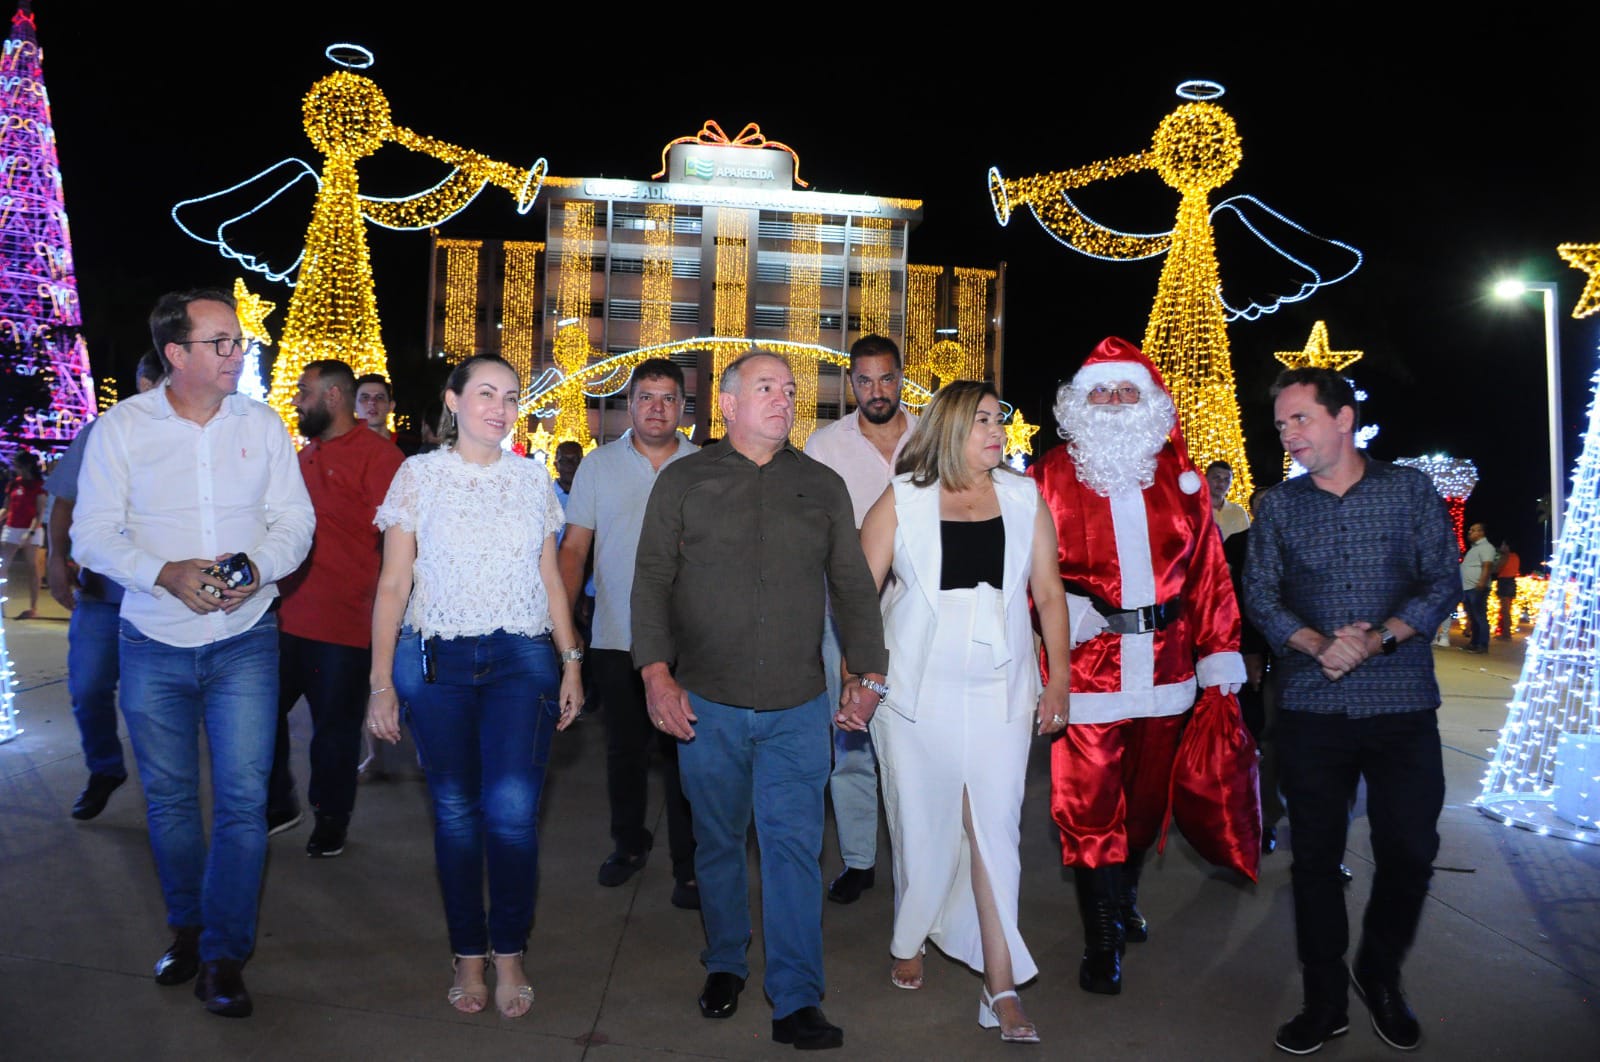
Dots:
(966, 540)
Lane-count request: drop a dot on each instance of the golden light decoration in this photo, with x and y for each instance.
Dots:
(571, 353)
(922, 317)
(711, 134)
(252, 311)
(1195, 149)
(972, 319)
(805, 317)
(947, 360)
(655, 296)
(876, 252)
(1586, 257)
(333, 312)
(576, 269)
(106, 396)
(1316, 354)
(461, 297)
(730, 293)
(519, 314)
(1019, 435)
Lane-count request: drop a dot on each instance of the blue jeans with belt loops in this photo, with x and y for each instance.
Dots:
(483, 729)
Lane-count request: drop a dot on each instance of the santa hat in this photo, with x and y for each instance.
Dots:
(1115, 360)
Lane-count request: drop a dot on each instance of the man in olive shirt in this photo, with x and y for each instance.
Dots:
(726, 588)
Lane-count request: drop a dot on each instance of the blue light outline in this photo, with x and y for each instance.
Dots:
(1256, 310)
(249, 261)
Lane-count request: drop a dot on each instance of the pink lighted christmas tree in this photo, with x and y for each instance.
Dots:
(44, 363)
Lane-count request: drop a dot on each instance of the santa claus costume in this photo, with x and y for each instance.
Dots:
(1137, 545)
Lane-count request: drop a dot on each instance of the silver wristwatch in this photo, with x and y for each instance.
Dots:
(880, 688)
(572, 656)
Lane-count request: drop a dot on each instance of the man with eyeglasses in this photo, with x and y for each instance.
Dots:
(175, 481)
(1155, 621)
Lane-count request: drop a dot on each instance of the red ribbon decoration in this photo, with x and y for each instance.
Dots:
(749, 137)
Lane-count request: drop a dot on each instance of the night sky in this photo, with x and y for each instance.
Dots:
(1449, 163)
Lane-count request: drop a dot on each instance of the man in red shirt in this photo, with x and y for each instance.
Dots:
(325, 624)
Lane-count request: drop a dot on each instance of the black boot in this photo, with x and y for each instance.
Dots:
(1101, 969)
(1134, 928)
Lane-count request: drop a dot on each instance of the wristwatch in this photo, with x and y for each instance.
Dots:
(880, 688)
(572, 656)
(1387, 641)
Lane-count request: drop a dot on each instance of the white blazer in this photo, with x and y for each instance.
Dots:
(911, 604)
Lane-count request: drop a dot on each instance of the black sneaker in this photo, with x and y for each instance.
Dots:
(278, 821)
(327, 837)
(1392, 1018)
(620, 866)
(1307, 1031)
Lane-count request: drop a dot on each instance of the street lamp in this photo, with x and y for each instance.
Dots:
(1515, 289)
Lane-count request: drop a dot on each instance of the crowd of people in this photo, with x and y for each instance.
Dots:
(892, 610)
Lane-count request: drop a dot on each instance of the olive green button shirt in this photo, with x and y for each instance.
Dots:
(726, 581)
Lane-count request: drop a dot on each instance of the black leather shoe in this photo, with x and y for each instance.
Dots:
(850, 884)
(720, 997)
(92, 801)
(1392, 1018)
(1307, 1031)
(686, 895)
(221, 988)
(620, 866)
(1269, 840)
(808, 1029)
(181, 961)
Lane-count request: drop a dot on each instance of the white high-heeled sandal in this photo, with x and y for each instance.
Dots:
(514, 992)
(478, 993)
(1018, 1034)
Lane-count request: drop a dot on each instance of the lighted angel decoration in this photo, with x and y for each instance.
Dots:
(333, 312)
(1195, 150)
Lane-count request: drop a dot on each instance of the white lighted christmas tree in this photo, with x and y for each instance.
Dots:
(1543, 774)
(8, 715)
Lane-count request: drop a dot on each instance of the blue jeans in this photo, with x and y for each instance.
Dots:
(483, 730)
(854, 782)
(168, 693)
(1476, 600)
(774, 765)
(333, 680)
(92, 683)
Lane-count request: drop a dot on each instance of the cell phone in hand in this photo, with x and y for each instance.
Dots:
(236, 571)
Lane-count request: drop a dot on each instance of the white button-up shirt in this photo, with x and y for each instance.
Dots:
(157, 488)
(843, 448)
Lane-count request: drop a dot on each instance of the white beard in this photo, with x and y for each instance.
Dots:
(1115, 446)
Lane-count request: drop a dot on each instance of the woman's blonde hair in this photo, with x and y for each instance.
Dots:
(936, 451)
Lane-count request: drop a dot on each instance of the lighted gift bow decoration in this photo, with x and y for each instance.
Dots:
(333, 312)
(711, 135)
(1195, 150)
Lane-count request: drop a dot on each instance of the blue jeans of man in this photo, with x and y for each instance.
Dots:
(1321, 758)
(483, 728)
(1476, 602)
(854, 782)
(772, 765)
(92, 683)
(231, 689)
(333, 680)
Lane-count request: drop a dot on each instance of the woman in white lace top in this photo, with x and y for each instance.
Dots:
(468, 621)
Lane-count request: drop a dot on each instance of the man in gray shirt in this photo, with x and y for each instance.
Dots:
(605, 510)
(727, 587)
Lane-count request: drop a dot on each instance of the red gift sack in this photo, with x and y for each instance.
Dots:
(1216, 801)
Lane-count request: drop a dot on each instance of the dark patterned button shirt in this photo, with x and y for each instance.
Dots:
(1318, 560)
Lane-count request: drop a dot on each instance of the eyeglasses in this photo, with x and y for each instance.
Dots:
(1101, 395)
(226, 347)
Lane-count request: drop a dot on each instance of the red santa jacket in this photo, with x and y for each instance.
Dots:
(1136, 549)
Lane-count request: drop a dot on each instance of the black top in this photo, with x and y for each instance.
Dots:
(729, 577)
(972, 552)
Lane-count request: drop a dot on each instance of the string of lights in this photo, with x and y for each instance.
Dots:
(519, 302)
(875, 277)
(1544, 772)
(1454, 478)
(922, 320)
(1586, 258)
(972, 321)
(1255, 310)
(731, 293)
(655, 297)
(460, 297)
(805, 317)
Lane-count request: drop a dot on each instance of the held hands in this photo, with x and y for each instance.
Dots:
(186, 580)
(1345, 651)
(1053, 709)
(856, 704)
(667, 703)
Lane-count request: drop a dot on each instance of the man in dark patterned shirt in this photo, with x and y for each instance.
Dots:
(1346, 566)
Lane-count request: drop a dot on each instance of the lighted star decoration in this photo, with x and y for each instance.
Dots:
(1019, 435)
(1584, 256)
(1316, 354)
(253, 311)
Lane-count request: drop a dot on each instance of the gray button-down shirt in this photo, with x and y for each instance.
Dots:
(726, 581)
(1318, 560)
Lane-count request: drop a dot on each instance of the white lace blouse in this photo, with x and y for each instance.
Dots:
(479, 531)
